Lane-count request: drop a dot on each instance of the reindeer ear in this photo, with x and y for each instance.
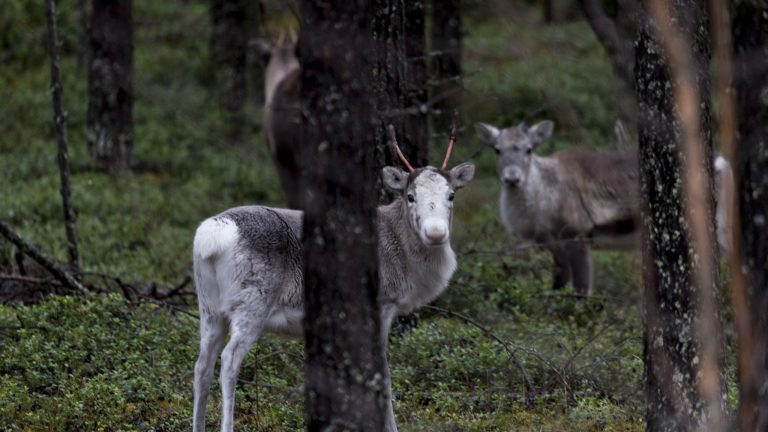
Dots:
(462, 174)
(487, 133)
(539, 132)
(394, 178)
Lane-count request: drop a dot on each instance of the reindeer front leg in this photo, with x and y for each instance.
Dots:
(388, 314)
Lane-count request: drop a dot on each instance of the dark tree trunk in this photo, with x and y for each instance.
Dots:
(416, 129)
(82, 49)
(346, 365)
(671, 351)
(400, 82)
(110, 85)
(446, 62)
(229, 44)
(548, 11)
(750, 41)
(59, 117)
(389, 79)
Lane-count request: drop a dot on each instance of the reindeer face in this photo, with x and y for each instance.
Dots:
(514, 148)
(279, 59)
(428, 194)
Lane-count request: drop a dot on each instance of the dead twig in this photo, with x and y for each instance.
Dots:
(530, 391)
(60, 118)
(177, 289)
(34, 252)
(29, 279)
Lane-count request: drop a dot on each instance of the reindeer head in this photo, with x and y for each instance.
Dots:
(428, 193)
(279, 58)
(514, 148)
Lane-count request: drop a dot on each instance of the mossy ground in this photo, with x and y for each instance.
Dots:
(108, 364)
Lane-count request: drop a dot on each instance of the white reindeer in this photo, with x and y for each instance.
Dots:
(578, 199)
(569, 202)
(249, 277)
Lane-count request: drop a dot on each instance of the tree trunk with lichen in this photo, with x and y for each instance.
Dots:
(345, 362)
(110, 85)
(750, 43)
(446, 83)
(400, 80)
(671, 351)
(389, 76)
(416, 128)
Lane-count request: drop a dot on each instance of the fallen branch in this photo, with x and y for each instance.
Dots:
(529, 388)
(176, 290)
(29, 249)
(29, 279)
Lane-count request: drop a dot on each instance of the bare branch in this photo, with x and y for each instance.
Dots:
(727, 126)
(60, 118)
(529, 388)
(619, 50)
(34, 252)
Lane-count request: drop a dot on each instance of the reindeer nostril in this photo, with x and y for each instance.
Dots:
(511, 180)
(436, 233)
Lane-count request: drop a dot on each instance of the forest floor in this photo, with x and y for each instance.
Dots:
(113, 363)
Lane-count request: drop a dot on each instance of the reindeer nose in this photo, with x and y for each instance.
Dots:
(511, 179)
(436, 233)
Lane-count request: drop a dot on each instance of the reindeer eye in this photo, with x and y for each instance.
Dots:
(450, 197)
(411, 198)
(497, 150)
(528, 150)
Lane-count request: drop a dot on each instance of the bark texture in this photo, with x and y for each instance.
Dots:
(416, 128)
(110, 85)
(446, 80)
(400, 82)
(671, 350)
(750, 49)
(346, 366)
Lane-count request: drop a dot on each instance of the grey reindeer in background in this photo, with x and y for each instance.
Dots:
(282, 112)
(569, 202)
(249, 277)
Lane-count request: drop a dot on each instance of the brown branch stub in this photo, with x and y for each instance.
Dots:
(396, 148)
(451, 141)
(36, 254)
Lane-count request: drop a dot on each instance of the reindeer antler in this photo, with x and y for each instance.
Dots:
(396, 148)
(451, 141)
(534, 114)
